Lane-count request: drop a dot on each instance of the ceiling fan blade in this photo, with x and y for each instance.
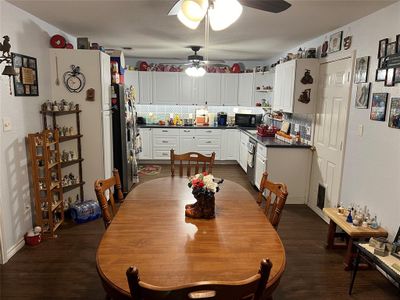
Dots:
(175, 9)
(274, 6)
(213, 62)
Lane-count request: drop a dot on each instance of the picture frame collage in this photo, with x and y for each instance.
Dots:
(26, 80)
(388, 72)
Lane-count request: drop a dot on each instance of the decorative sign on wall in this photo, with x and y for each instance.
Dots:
(394, 113)
(378, 106)
(26, 80)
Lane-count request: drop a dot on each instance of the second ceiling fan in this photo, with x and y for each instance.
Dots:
(221, 13)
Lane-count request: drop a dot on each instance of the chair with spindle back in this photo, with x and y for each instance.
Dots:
(103, 187)
(273, 210)
(199, 161)
(248, 289)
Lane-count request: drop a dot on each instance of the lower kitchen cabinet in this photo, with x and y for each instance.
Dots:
(230, 142)
(147, 148)
(261, 164)
(243, 151)
(163, 141)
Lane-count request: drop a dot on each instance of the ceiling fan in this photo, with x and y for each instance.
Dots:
(222, 13)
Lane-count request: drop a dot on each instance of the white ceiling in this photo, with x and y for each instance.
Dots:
(145, 26)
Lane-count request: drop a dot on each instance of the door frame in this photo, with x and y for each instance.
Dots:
(330, 59)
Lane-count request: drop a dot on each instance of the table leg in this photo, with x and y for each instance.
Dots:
(354, 271)
(349, 255)
(331, 235)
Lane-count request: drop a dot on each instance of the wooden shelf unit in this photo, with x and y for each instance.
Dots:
(78, 136)
(45, 157)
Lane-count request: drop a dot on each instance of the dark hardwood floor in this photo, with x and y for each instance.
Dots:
(65, 268)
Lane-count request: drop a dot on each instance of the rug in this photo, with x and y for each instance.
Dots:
(149, 170)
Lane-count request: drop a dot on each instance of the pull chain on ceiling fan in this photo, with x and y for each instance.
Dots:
(221, 13)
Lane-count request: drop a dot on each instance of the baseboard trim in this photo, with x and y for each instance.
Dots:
(319, 213)
(14, 249)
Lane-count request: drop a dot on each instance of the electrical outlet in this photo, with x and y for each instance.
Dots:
(7, 124)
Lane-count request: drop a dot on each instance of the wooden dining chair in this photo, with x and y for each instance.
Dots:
(278, 191)
(248, 289)
(193, 159)
(105, 190)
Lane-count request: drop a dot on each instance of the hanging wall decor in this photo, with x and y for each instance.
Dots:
(382, 47)
(335, 42)
(74, 80)
(378, 106)
(361, 72)
(347, 42)
(26, 79)
(362, 95)
(307, 78)
(305, 96)
(394, 113)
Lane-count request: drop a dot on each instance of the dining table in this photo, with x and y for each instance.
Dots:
(150, 231)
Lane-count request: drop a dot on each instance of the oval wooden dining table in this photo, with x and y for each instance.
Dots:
(151, 232)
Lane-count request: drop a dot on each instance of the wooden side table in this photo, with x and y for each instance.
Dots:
(354, 233)
(384, 263)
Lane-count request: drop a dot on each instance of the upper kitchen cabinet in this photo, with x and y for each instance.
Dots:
(246, 89)
(229, 89)
(145, 91)
(165, 87)
(295, 86)
(191, 90)
(212, 88)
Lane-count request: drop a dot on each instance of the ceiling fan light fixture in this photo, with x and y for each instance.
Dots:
(224, 13)
(195, 71)
(194, 10)
(187, 22)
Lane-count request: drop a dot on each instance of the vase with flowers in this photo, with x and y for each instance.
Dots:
(204, 186)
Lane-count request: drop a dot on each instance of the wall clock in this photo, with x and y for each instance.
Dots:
(74, 80)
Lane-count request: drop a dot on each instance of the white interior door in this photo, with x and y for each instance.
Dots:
(330, 132)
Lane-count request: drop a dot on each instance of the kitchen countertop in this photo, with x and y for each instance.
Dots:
(266, 141)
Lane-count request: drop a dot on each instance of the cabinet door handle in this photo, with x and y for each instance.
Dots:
(164, 154)
(165, 131)
(208, 142)
(164, 142)
(209, 131)
(186, 131)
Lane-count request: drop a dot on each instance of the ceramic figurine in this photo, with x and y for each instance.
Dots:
(49, 105)
(55, 106)
(71, 105)
(72, 154)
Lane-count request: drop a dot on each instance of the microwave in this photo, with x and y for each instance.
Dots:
(247, 120)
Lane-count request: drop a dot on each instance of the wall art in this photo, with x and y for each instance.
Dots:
(307, 78)
(362, 95)
(361, 72)
(397, 75)
(382, 47)
(394, 113)
(398, 43)
(26, 80)
(305, 96)
(391, 48)
(378, 106)
(380, 75)
(389, 81)
(335, 42)
(347, 42)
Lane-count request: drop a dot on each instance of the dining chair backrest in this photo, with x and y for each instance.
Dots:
(275, 201)
(193, 160)
(249, 289)
(105, 190)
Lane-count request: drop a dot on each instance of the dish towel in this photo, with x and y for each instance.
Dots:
(250, 160)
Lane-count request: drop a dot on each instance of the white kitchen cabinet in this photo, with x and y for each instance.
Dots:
(290, 94)
(165, 87)
(243, 151)
(147, 148)
(187, 144)
(191, 90)
(163, 141)
(209, 141)
(261, 163)
(145, 92)
(246, 89)
(212, 88)
(229, 89)
(230, 144)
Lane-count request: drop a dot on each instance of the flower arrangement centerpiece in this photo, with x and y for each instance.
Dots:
(204, 186)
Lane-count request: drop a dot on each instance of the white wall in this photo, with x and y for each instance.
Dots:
(30, 36)
(372, 162)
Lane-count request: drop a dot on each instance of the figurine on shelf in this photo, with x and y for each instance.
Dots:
(55, 106)
(64, 105)
(71, 131)
(71, 105)
(48, 105)
(65, 156)
(72, 155)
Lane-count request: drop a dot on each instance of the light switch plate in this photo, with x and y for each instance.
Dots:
(7, 124)
(360, 130)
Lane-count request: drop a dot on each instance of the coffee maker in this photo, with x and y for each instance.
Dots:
(222, 118)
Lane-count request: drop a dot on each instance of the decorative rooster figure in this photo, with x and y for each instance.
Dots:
(5, 46)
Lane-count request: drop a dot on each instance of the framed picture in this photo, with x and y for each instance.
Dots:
(335, 42)
(361, 72)
(378, 106)
(398, 43)
(362, 95)
(394, 113)
(382, 47)
(391, 48)
(397, 75)
(26, 80)
(380, 75)
(389, 80)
